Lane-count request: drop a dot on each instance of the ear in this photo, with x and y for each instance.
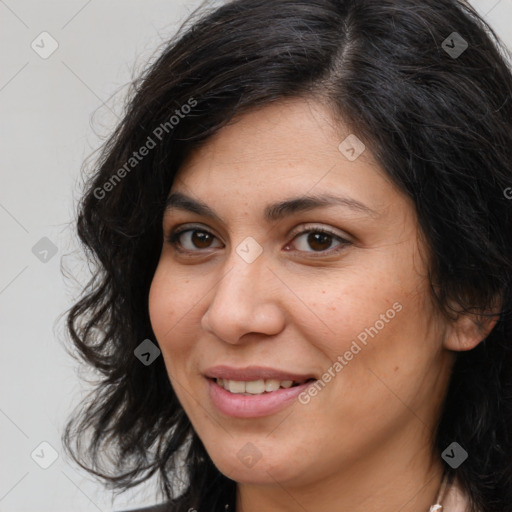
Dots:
(469, 329)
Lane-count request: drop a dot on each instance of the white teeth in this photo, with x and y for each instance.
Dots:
(236, 386)
(272, 385)
(253, 387)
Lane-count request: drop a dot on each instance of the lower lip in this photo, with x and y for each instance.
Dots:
(246, 406)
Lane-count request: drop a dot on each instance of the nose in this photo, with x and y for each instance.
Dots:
(245, 301)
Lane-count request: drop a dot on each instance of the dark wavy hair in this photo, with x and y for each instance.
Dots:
(440, 125)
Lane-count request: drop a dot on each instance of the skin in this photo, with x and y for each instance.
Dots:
(364, 443)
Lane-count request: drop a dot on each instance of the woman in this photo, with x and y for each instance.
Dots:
(304, 249)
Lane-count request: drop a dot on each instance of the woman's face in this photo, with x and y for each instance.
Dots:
(256, 292)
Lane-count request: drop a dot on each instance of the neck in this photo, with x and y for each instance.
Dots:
(392, 478)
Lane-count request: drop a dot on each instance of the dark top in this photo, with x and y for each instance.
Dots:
(162, 507)
(451, 496)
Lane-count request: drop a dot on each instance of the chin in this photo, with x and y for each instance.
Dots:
(256, 472)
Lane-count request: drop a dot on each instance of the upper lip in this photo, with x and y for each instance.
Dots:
(250, 373)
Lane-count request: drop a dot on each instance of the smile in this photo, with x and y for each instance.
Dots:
(250, 399)
(256, 387)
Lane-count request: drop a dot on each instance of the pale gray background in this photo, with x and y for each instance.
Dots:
(54, 112)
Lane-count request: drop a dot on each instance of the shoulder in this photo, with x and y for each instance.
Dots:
(162, 507)
(179, 504)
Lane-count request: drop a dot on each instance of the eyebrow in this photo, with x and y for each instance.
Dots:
(273, 212)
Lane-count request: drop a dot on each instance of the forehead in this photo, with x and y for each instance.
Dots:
(281, 159)
(294, 130)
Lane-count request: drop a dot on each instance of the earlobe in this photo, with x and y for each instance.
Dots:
(469, 330)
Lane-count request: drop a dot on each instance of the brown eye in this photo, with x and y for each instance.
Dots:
(315, 240)
(195, 238)
(201, 239)
(320, 240)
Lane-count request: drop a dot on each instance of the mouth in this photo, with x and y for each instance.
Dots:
(254, 392)
(257, 387)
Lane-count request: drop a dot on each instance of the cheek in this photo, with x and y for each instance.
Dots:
(358, 309)
(164, 319)
(165, 311)
(378, 324)
(159, 304)
(169, 300)
(173, 312)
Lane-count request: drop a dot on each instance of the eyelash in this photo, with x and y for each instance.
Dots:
(173, 239)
